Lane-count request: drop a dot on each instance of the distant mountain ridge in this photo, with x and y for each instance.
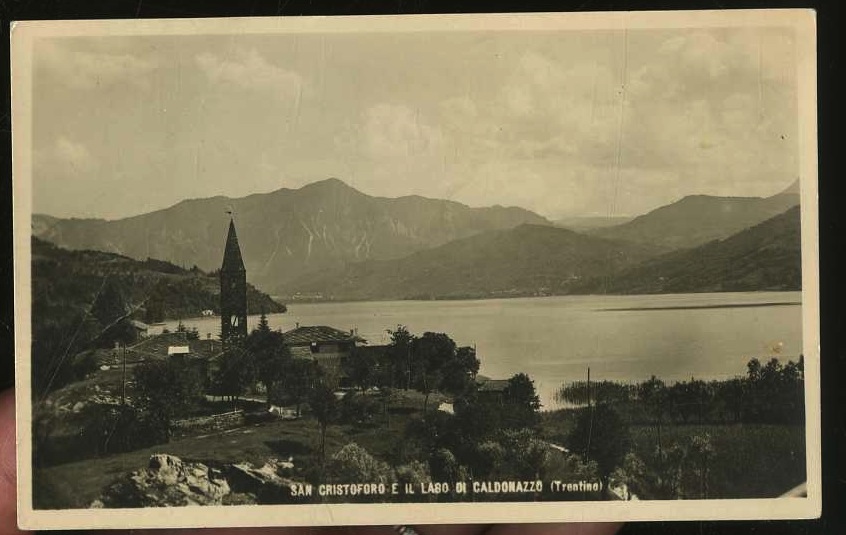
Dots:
(698, 219)
(286, 233)
(526, 260)
(589, 223)
(766, 257)
(328, 240)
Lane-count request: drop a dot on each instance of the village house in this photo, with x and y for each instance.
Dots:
(327, 346)
(174, 345)
(139, 329)
(491, 390)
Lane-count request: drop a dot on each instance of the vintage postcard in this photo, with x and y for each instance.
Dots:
(403, 270)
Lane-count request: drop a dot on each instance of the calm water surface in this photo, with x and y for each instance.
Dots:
(555, 339)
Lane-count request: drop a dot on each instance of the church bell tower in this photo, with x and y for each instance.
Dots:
(233, 292)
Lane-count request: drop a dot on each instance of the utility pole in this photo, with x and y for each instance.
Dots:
(123, 380)
(590, 415)
(408, 361)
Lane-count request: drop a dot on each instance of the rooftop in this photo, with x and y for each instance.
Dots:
(157, 346)
(318, 333)
(492, 385)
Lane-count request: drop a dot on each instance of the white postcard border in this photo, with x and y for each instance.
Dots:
(25, 33)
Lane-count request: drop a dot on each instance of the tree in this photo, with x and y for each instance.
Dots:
(522, 403)
(775, 392)
(297, 381)
(111, 311)
(487, 460)
(602, 435)
(324, 406)
(271, 356)
(653, 396)
(700, 451)
(353, 464)
(458, 374)
(167, 389)
(386, 396)
(361, 368)
(478, 418)
(583, 393)
(235, 372)
(634, 474)
(431, 353)
(414, 473)
(357, 408)
(444, 466)
(398, 358)
(57, 337)
(527, 453)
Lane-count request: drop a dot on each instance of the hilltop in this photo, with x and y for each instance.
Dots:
(698, 219)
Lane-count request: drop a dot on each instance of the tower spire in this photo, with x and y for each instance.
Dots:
(233, 291)
(232, 260)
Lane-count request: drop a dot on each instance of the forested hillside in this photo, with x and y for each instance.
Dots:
(765, 257)
(524, 261)
(77, 295)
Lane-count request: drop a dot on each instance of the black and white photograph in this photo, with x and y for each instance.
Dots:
(414, 269)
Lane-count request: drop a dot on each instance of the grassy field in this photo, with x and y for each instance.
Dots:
(77, 484)
(749, 460)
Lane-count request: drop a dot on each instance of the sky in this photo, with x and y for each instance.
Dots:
(564, 123)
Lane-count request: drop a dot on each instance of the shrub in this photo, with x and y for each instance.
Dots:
(353, 464)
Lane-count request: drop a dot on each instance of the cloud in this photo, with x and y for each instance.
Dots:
(394, 149)
(696, 112)
(249, 69)
(543, 110)
(716, 107)
(67, 153)
(397, 131)
(81, 69)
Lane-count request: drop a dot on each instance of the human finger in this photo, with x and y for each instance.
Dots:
(8, 491)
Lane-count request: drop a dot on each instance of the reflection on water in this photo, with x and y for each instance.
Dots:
(555, 339)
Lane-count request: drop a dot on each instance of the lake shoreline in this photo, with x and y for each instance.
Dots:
(555, 339)
(288, 301)
(701, 307)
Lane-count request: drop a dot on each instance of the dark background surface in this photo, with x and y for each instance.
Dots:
(831, 224)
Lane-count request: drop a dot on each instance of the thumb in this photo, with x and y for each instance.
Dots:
(8, 492)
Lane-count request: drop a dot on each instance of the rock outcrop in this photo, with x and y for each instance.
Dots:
(264, 483)
(169, 481)
(166, 482)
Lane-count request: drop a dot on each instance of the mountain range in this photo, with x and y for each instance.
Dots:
(287, 233)
(767, 256)
(698, 219)
(329, 239)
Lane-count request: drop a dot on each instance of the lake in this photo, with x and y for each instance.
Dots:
(555, 339)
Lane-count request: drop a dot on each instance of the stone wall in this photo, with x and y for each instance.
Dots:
(208, 424)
